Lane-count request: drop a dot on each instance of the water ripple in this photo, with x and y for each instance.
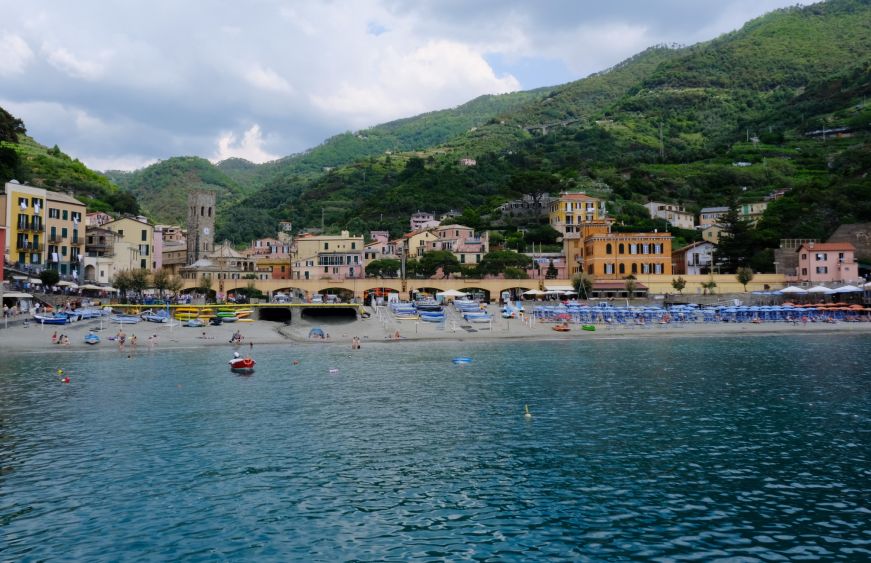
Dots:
(636, 450)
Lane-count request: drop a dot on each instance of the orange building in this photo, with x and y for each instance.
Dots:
(590, 246)
(617, 255)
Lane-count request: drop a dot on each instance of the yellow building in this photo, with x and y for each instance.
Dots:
(571, 210)
(134, 243)
(712, 234)
(617, 255)
(45, 228)
(308, 246)
(752, 212)
(590, 246)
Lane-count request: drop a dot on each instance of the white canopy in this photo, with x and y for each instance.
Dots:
(35, 281)
(17, 295)
(820, 289)
(534, 292)
(559, 289)
(64, 283)
(91, 286)
(847, 289)
(867, 285)
(450, 293)
(793, 289)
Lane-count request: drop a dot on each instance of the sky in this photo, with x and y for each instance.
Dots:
(120, 85)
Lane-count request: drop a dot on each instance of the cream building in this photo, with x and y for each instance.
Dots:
(134, 245)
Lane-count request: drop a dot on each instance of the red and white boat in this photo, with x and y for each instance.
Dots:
(242, 364)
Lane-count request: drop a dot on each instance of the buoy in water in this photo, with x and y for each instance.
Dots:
(334, 370)
(66, 379)
(295, 362)
(526, 413)
(462, 360)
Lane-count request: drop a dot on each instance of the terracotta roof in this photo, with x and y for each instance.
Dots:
(828, 246)
(63, 198)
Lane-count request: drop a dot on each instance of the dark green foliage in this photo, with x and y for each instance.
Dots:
(431, 262)
(384, 268)
(49, 278)
(501, 261)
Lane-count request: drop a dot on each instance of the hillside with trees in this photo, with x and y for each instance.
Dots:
(701, 126)
(25, 160)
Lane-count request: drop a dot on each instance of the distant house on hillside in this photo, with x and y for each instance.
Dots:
(423, 220)
(676, 215)
(693, 259)
(825, 262)
(711, 215)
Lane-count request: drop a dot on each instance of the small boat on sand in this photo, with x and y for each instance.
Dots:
(92, 338)
(52, 319)
(194, 322)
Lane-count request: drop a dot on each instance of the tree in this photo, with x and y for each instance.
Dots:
(384, 268)
(552, 272)
(49, 278)
(583, 284)
(163, 281)
(735, 248)
(204, 285)
(709, 286)
(122, 283)
(745, 276)
(678, 284)
(498, 262)
(533, 184)
(139, 278)
(630, 285)
(445, 260)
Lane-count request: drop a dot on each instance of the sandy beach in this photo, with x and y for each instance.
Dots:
(379, 328)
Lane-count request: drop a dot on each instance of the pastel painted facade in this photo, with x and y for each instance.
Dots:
(174, 255)
(827, 262)
(752, 212)
(711, 216)
(675, 214)
(712, 234)
(542, 262)
(694, 259)
(416, 243)
(45, 229)
(138, 236)
(97, 219)
(271, 247)
(616, 255)
(462, 241)
(571, 210)
(309, 245)
(422, 220)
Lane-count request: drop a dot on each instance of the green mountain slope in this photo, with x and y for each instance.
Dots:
(162, 188)
(409, 134)
(669, 123)
(24, 159)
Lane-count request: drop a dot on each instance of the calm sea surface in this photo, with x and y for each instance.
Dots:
(745, 448)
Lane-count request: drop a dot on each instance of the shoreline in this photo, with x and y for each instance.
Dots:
(374, 330)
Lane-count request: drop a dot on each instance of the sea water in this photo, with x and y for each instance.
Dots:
(668, 448)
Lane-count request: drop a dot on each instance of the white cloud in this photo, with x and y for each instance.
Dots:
(16, 54)
(250, 147)
(437, 75)
(267, 79)
(65, 61)
(164, 78)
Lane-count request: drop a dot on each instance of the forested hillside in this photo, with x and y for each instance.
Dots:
(25, 160)
(667, 124)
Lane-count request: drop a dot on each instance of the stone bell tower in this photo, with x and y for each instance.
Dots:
(201, 225)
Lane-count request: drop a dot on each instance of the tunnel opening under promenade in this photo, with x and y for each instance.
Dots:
(275, 314)
(328, 312)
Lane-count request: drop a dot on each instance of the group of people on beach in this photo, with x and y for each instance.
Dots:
(61, 339)
(355, 343)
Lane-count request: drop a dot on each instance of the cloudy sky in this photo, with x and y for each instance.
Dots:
(123, 84)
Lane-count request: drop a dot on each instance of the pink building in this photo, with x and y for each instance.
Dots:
(821, 262)
(468, 247)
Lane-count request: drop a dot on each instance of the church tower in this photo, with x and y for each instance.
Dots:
(201, 225)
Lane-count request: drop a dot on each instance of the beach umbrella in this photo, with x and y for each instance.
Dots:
(821, 289)
(847, 289)
(450, 293)
(64, 283)
(793, 290)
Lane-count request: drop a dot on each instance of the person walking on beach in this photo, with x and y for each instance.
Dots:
(54, 338)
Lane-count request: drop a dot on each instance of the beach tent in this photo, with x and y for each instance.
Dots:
(847, 289)
(316, 333)
(450, 293)
(534, 292)
(820, 289)
(64, 283)
(793, 290)
(560, 289)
